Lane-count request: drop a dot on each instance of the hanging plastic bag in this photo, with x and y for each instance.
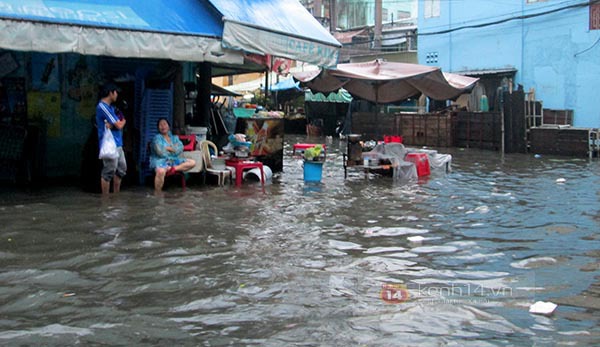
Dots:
(108, 149)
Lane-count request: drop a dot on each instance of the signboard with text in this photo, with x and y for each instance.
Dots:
(255, 40)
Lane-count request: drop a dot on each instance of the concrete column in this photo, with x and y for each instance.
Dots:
(317, 9)
(178, 99)
(378, 24)
(204, 81)
(332, 16)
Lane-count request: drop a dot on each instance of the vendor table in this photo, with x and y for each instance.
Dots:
(369, 168)
(375, 168)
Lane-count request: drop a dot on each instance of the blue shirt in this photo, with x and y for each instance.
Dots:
(106, 112)
(160, 157)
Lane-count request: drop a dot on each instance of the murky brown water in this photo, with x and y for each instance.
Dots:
(308, 264)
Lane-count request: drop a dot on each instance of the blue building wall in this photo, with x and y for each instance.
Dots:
(556, 53)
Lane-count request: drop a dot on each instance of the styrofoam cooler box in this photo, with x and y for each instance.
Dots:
(197, 156)
(200, 132)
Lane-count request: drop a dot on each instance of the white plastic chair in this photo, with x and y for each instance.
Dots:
(221, 174)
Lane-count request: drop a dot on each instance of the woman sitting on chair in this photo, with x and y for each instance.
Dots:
(165, 154)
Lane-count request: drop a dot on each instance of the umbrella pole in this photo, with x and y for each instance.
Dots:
(266, 88)
(378, 128)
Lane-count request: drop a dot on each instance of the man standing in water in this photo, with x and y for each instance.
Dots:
(107, 119)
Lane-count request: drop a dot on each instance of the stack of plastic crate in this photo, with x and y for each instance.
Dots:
(140, 85)
(156, 104)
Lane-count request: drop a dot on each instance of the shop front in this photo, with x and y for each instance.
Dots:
(55, 56)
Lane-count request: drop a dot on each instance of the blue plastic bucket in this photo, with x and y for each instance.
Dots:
(313, 170)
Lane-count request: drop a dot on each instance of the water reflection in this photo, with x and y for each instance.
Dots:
(306, 263)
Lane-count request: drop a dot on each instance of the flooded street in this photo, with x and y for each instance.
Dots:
(455, 259)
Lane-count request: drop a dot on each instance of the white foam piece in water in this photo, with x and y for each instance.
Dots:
(543, 307)
(417, 238)
(561, 180)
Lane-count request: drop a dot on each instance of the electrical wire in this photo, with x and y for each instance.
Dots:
(513, 15)
(536, 7)
(587, 49)
(585, 4)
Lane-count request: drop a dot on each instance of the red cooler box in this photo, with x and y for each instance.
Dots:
(421, 161)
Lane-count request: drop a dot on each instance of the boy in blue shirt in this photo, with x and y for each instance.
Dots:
(107, 119)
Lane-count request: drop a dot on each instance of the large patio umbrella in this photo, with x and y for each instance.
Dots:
(385, 82)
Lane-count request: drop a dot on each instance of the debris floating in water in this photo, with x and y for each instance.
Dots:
(561, 180)
(543, 307)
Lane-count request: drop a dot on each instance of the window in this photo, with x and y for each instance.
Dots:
(432, 8)
(595, 16)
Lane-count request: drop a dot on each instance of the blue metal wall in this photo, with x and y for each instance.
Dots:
(555, 53)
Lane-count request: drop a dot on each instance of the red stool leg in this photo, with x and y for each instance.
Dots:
(238, 176)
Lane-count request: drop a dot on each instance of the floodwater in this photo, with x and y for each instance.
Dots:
(453, 260)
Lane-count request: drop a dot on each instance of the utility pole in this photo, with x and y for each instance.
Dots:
(378, 24)
(332, 16)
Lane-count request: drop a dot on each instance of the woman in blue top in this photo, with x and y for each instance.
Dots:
(165, 154)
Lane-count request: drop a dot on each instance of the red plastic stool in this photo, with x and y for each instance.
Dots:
(177, 173)
(241, 165)
(189, 142)
(421, 161)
